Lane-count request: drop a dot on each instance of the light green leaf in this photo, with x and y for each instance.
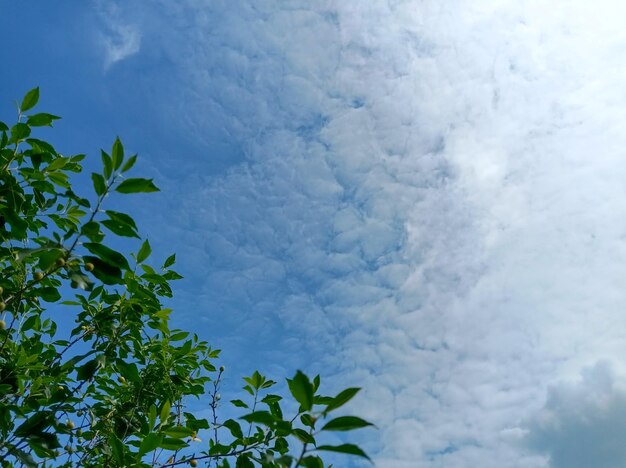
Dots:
(165, 412)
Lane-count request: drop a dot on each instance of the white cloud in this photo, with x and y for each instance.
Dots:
(118, 39)
(432, 202)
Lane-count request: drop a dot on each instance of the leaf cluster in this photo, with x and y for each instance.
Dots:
(114, 388)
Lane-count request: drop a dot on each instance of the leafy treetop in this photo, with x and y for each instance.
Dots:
(114, 390)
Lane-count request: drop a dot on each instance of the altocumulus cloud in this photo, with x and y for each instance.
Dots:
(117, 38)
(431, 203)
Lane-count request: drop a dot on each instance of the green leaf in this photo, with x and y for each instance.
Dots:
(302, 390)
(234, 428)
(350, 449)
(137, 186)
(57, 163)
(144, 251)
(244, 462)
(30, 100)
(87, 370)
(307, 420)
(107, 164)
(48, 294)
(345, 423)
(92, 231)
(165, 412)
(99, 184)
(178, 432)
(120, 229)
(19, 131)
(152, 416)
(48, 257)
(304, 436)
(239, 404)
(41, 120)
(130, 163)
(342, 398)
(129, 371)
(149, 443)
(312, 462)
(117, 154)
(169, 443)
(105, 272)
(35, 424)
(170, 261)
(117, 449)
(260, 417)
(107, 255)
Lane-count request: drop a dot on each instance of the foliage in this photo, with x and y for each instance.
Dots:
(113, 390)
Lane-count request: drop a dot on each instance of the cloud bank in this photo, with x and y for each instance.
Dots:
(431, 205)
(583, 424)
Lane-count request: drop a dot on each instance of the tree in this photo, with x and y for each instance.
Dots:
(114, 390)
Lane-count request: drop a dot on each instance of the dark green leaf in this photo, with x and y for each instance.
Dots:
(117, 154)
(234, 428)
(41, 120)
(312, 462)
(261, 417)
(107, 164)
(119, 229)
(342, 398)
(304, 436)
(244, 462)
(170, 261)
(149, 443)
(129, 371)
(48, 294)
(117, 449)
(87, 370)
(92, 231)
(345, 423)
(35, 424)
(302, 390)
(99, 184)
(239, 403)
(107, 255)
(350, 449)
(19, 131)
(30, 100)
(137, 186)
(105, 272)
(130, 163)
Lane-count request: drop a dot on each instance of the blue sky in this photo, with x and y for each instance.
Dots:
(423, 198)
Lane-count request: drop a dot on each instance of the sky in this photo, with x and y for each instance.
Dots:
(423, 198)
